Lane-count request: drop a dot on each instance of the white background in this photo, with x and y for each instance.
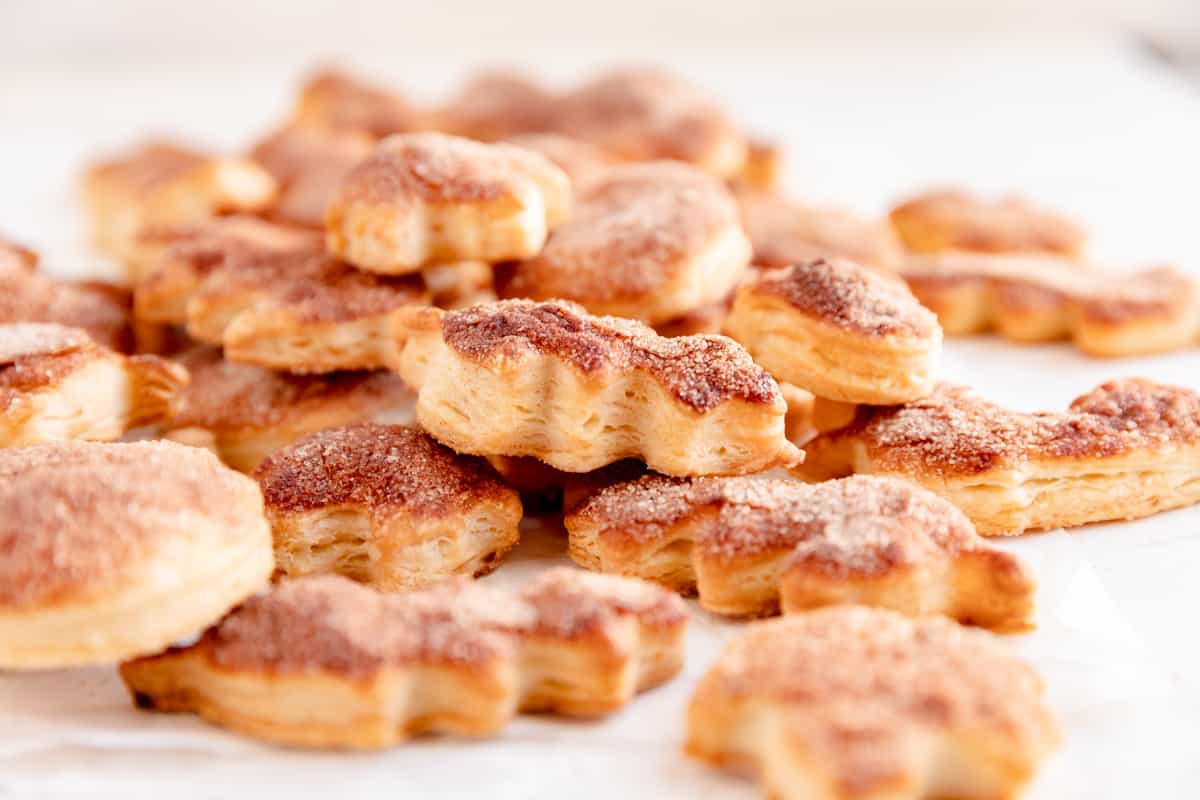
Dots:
(1081, 121)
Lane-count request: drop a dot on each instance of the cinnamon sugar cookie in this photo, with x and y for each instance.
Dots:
(177, 260)
(56, 383)
(244, 413)
(753, 546)
(302, 312)
(956, 220)
(308, 163)
(841, 331)
(424, 198)
(581, 160)
(386, 505)
(499, 104)
(518, 378)
(164, 183)
(336, 100)
(116, 550)
(646, 241)
(646, 114)
(27, 295)
(850, 703)
(784, 232)
(325, 662)
(1040, 298)
(1127, 449)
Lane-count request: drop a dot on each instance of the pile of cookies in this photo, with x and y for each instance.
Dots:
(264, 473)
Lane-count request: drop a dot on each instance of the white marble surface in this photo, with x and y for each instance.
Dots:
(1084, 125)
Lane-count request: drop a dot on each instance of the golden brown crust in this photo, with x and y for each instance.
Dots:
(150, 165)
(1042, 298)
(784, 232)
(647, 241)
(749, 546)
(467, 656)
(1127, 449)
(499, 104)
(644, 114)
(957, 220)
(764, 164)
(334, 99)
(700, 371)
(852, 702)
(28, 296)
(308, 163)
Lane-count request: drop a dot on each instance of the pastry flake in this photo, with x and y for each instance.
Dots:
(331, 663)
(651, 242)
(1128, 449)
(752, 546)
(841, 331)
(424, 198)
(548, 380)
(116, 550)
(244, 413)
(955, 220)
(303, 312)
(162, 183)
(1044, 298)
(333, 99)
(386, 505)
(849, 703)
(308, 163)
(56, 384)
(647, 114)
(784, 232)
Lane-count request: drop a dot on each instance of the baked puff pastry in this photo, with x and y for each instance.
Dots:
(581, 160)
(244, 413)
(304, 313)
(1127, 449)
(519, 378)
(386, 505)
(335, 100)
(784, 232)
(851, 703)
(163, 183)
(179, 259)
(325, 662)
(645, 241)
(955, 220)
(116, 550)
(751, 546)
(56, 383)
(308, 163)
(839, 330)
(1042, 298)
(646, 114)
(499, 104)
(424, 198)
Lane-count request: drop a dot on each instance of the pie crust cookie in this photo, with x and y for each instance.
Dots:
(519, 378)
(1042, 298)
(335, 100)
(56, 383)
(581, 160)
(308, 163)
(386, 505)
(784, 232)
(1127, 449)
(164, 183)
(424, 198)
(650, 242)
(179, 259)
(752, 546)
(325, 662)
(303, 312)
(499, 104)
(839, 330)
(647, 114)
(116, 550)
(850, 703)
(955, 220)
(244, 413)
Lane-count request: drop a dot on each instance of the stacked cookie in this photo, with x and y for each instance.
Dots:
(533, 281)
